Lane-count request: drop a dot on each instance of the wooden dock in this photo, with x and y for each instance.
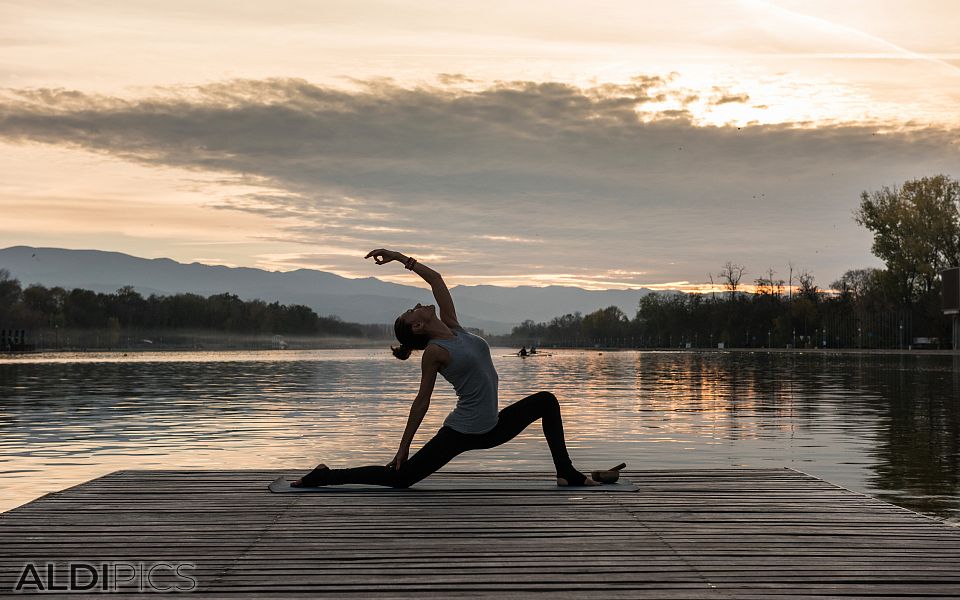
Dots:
(729, 533)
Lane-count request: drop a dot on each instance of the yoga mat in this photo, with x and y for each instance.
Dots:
(440, 484)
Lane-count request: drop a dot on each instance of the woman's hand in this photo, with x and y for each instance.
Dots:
(400, 458)
(382, 257)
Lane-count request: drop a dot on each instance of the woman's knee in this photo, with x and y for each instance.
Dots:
(399, 478)
(548, 398)
(405, 478)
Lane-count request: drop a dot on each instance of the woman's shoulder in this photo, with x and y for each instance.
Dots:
(436, 354)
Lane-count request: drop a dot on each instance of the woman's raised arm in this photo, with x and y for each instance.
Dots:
(448, 314)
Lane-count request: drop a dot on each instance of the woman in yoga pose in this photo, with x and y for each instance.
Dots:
(464, 360)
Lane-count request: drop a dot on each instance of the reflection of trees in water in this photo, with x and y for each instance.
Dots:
(918, 445)
(738, 395)
(904, 407)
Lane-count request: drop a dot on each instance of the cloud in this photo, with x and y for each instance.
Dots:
(469, 172)
(730, 99)
(507, 238)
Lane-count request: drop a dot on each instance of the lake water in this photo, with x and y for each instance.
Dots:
(885, 425)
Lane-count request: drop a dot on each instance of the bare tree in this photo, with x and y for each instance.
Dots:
(790, 285)
(730, 275)
(769, 285)
(808, 287)
(777, 283)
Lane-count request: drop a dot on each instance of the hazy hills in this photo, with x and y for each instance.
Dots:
(366, 300)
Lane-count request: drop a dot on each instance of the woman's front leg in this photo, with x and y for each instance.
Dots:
(519, 415)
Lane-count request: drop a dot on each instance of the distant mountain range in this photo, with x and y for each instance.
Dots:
(366, 300)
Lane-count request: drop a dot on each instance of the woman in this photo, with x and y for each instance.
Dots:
(464, 360)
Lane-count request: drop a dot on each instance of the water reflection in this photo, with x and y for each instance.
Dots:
(885, 425)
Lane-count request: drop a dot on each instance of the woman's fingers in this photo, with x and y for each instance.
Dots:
(380, 256)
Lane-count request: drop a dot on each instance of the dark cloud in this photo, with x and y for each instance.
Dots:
(576, 166)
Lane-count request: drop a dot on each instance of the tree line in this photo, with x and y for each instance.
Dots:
(36, 308)
(916, 232)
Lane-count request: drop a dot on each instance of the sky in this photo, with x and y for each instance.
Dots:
(598, 144)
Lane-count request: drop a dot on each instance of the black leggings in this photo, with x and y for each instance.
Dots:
(448, 443)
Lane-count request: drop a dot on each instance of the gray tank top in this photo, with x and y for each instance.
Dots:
(473, 376)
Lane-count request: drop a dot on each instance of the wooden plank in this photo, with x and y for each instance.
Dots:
(685, 534)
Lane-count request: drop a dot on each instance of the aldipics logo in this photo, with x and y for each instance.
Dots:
(106, 577)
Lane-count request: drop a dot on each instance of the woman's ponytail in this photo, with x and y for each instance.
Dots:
(402, 352)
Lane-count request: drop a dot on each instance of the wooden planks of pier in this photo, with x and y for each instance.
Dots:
(730, 533)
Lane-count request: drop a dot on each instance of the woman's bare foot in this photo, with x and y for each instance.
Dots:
(564, 483)
(299, 482)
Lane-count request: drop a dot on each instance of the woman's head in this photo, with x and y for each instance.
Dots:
(410, 329)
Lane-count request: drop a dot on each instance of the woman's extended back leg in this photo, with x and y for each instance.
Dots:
(440, 450)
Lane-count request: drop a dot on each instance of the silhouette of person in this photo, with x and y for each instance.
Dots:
(464, 360)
